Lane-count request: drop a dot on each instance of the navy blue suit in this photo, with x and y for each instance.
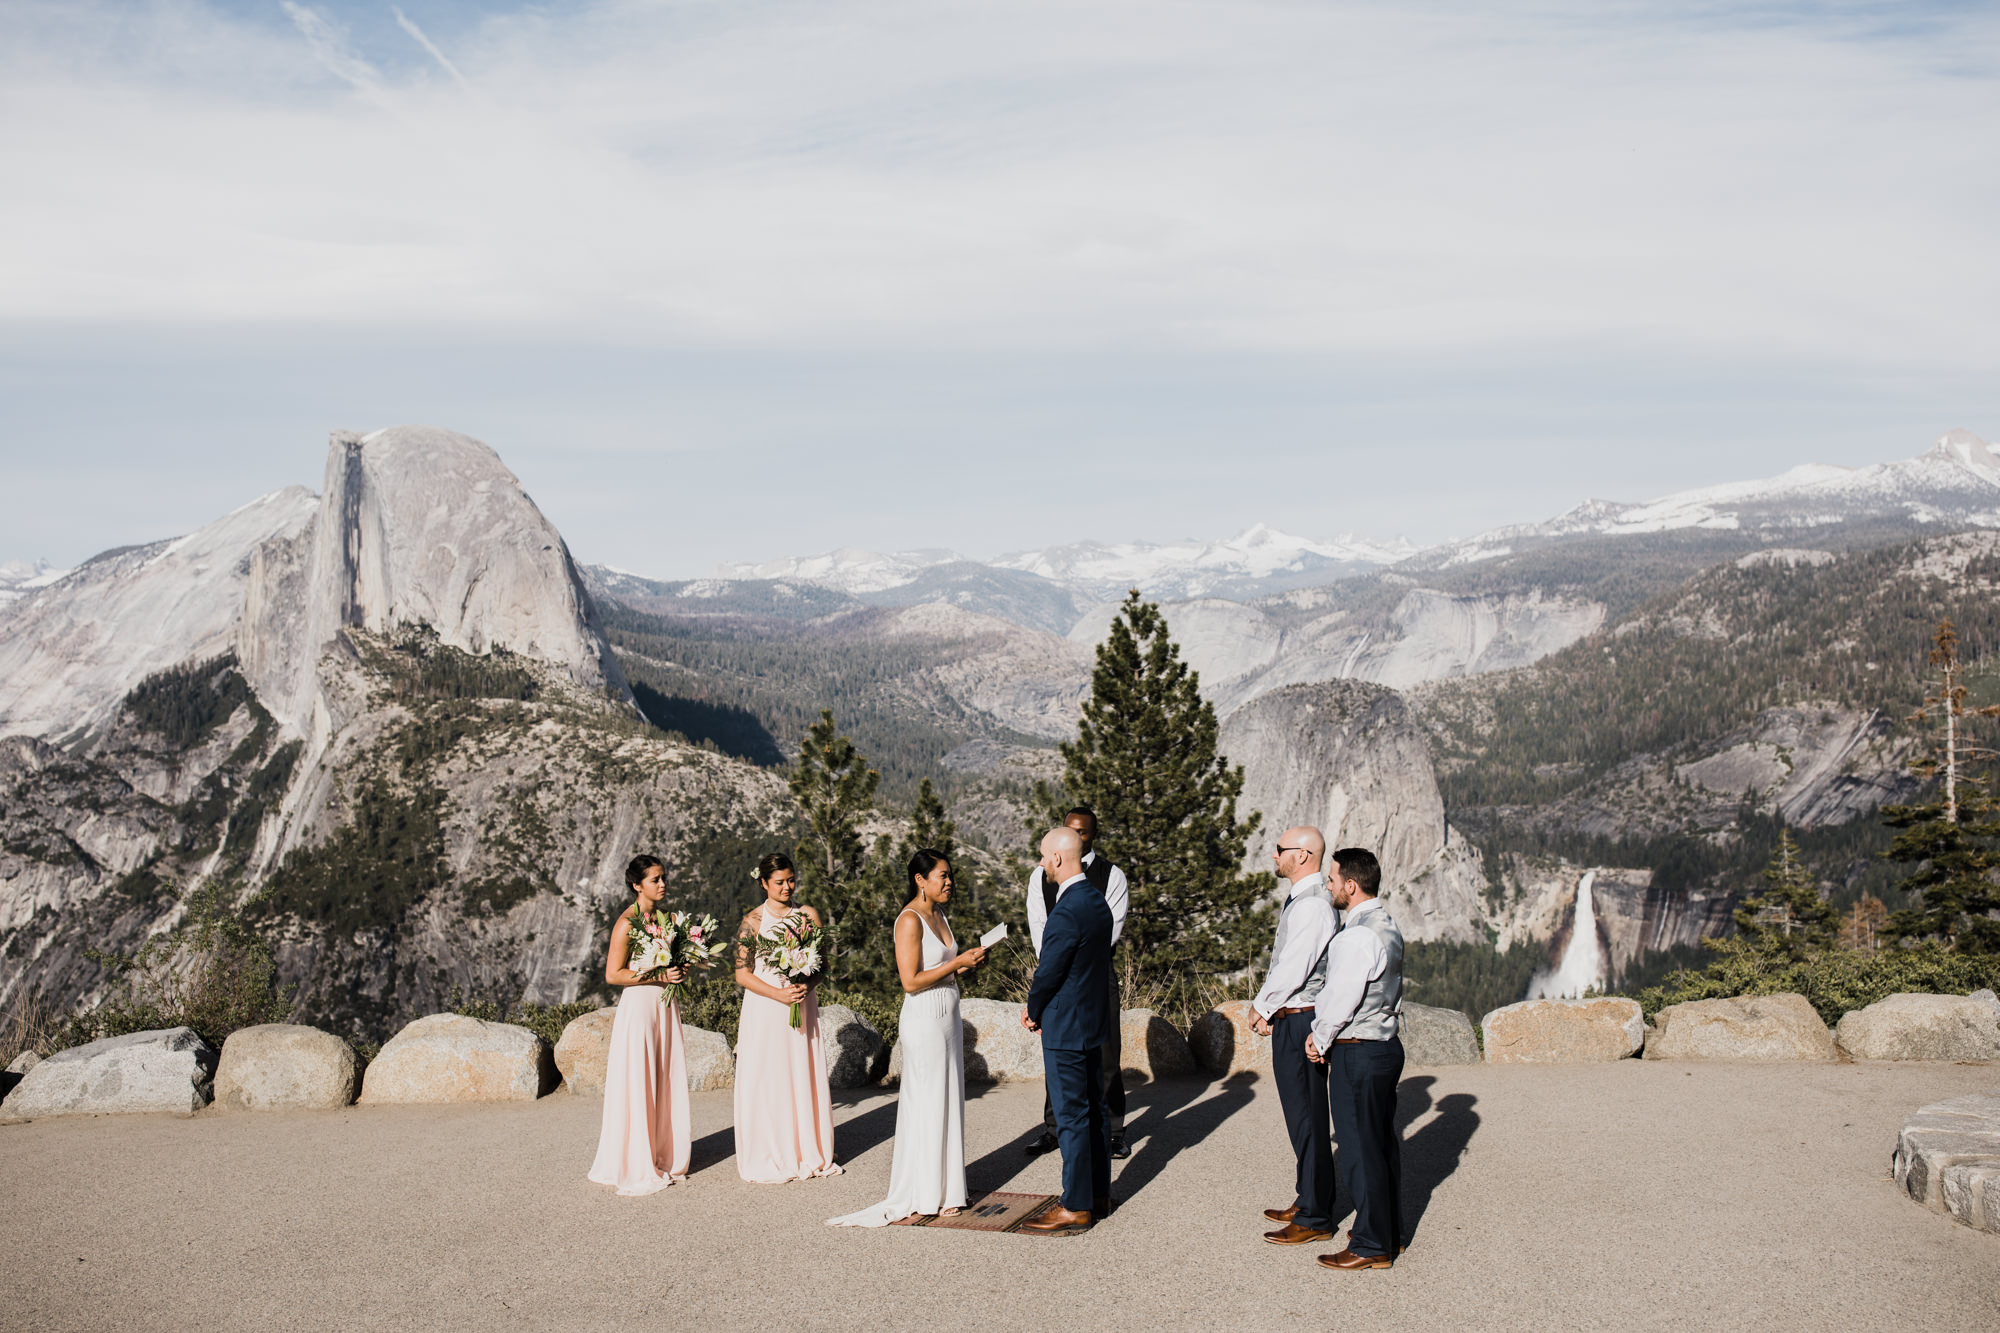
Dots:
(1070, 998)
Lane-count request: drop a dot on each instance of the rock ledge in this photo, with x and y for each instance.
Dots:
(1948, 1159)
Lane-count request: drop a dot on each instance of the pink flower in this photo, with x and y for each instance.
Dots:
(653, 930)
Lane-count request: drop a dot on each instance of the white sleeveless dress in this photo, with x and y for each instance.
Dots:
(927, 1172)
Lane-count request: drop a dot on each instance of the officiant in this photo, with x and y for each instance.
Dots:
(1110, 881)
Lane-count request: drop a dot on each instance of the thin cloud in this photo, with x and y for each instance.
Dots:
(329, 46)
(404, 22)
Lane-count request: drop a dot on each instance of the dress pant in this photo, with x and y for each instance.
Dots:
(1076, 1085)
(1303, 1096)
(1113, 1055)
(1364, 1075)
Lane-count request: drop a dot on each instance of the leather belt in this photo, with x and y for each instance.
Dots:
(1295, 1009)
(1353, 1041)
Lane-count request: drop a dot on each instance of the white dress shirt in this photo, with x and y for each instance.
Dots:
(1117, 896)
(1358, 957)
(1309, 926)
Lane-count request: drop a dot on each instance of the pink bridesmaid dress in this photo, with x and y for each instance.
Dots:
(643, 1146)
(784, 1110)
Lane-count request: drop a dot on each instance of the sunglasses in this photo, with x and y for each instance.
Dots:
(1282, 850)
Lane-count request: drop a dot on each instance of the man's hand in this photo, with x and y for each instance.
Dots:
(1027, 1022)
(1260, 1025)
(1312, 1051)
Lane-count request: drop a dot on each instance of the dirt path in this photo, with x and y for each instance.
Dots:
(1627, 1196)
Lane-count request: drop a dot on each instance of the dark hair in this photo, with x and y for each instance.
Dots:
(1358, 865)
(636, 868)
(1083, 810)
(922, 862)
(770, 863)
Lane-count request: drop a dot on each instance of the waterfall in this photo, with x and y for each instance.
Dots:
(1582, 965)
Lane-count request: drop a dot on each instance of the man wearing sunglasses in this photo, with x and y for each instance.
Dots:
(1306, 926)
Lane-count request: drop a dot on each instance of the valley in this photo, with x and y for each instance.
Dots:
(411, 738)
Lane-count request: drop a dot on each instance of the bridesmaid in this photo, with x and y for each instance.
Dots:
(784, 1109)
(643, 1146)
(927, 1172)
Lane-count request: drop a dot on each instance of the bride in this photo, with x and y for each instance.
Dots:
(927, 1174)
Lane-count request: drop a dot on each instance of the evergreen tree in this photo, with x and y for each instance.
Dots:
(1861, 929)
(931, 826)
(1950, 840)
(1145, 760)
(835, 790)
(1789, 919)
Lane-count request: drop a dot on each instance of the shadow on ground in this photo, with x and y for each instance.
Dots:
(1433, 1152)
(851, 1137)
(1165, 1119)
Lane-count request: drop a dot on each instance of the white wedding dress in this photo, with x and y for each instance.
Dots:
(927, 1172)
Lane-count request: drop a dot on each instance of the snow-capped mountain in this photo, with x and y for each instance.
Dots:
(1179, 570)
(1956, 484)
(21, 576)
(848, 569)
(1260, 555)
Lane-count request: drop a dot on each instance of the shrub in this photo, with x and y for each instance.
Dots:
(713, 1001)
(881, 1009)
(211, 973)
(1834, 981)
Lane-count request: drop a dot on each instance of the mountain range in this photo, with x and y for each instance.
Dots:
(1956, 484)
(396, 721)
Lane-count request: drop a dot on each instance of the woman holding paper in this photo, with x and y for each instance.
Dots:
(927, 1173)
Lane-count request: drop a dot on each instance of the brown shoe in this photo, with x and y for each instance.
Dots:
(1294, 1234)
(1282, 1214)
(1348, 1259)
(1057, 1221)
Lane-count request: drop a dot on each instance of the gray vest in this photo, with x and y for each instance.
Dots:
(1316, 979)
(1375, 1017)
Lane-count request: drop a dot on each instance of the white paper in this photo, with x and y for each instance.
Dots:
(993, 936)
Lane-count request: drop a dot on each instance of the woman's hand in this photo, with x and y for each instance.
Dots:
(794, 994)
(674, 976)
(970, 959)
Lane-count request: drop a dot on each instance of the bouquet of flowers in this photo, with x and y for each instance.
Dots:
(662, 940)
(796, 951)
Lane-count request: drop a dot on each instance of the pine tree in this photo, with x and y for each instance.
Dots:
(1788, 919)
(1861, 929)
(835, 790)
(931, 826)
(1145, 760)
(1952, 840)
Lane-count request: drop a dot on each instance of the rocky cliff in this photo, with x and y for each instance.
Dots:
(1246, 650)
(389, 727)
(416, 526)
(71, 650)
(1347, 758)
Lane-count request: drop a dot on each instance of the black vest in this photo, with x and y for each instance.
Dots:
(1097, 870)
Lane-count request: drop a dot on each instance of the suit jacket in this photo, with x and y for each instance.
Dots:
(1070, 996)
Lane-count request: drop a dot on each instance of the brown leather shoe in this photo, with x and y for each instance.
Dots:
(1282, 1214)
(1348, 1259)
(1057, 1221)
(1294, 1234)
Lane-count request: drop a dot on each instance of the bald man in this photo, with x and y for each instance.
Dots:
(1306, 927)
(1069, 1004)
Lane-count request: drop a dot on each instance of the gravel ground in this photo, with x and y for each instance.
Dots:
(1625, 1196)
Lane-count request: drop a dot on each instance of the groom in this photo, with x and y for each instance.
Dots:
(1069, 1004)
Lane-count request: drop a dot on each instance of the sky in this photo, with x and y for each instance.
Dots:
(727, 280)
